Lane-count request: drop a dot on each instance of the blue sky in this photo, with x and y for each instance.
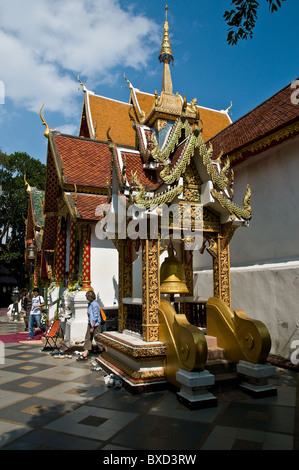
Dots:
(45, 44)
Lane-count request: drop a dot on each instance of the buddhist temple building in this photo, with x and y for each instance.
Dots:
(131, 205)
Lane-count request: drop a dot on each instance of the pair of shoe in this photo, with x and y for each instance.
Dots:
(82, 358)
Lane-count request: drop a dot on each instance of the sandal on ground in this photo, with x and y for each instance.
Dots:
(104, 350)
(82, 358)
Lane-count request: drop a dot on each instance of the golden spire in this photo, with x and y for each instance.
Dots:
(166, 55)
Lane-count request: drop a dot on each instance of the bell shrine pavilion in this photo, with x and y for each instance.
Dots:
(129, 204)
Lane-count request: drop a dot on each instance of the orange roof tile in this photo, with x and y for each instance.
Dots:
(213, 122)
(145, 101)
(106, 112)
(85, 162)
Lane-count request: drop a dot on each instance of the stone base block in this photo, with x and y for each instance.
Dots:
(255, 379)
(194, 391)
(258, 391)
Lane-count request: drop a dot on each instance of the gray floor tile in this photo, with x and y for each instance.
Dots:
(29, 385)
(47, 440)
(76, 422)
(10, 432)
(35, 411)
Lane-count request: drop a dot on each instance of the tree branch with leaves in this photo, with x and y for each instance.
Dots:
(242, 18)
(14, 206)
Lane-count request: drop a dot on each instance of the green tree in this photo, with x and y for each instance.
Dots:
(14, 206)
(242, 18)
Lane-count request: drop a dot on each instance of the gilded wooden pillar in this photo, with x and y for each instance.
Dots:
(221, 264)
(60, 254)
(188, 268)
(72, 251)
(86, 267)
(125, 279)
(35, 273)
(187, 258)
(150, 289)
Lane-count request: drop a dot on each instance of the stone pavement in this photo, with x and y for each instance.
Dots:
(49, 403)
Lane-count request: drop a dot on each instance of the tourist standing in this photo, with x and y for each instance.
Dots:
(35, 311)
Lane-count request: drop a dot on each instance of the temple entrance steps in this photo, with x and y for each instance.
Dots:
(224, 370)
(214, 351)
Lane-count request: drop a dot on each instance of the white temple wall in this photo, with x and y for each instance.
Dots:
(272, 235)
(104, 270)
(265, 255)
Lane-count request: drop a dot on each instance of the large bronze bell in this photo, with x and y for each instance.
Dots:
(172, 275)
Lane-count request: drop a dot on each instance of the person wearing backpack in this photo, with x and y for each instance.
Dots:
(95, 321)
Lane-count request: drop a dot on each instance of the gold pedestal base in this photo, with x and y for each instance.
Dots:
(137, 363)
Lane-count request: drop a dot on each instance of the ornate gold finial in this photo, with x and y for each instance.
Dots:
(47, 131)
(128, 82)
(82, 84)
(130, 115)
(109, 138)
(28, 188)
(229, 108)
(108, 135)
(166, 55)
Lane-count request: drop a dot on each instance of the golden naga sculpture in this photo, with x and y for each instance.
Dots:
(47, 131)
(244, 212)
(186, 344)
(28, 187)
(242, 337)
(151, 201)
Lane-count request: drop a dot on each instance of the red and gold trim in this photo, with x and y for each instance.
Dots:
(72, 252)
(86, 259)
(60, 254)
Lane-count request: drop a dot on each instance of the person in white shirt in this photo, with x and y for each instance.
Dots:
(35, 312)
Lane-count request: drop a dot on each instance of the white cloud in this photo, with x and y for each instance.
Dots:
(70, 129)
(45, 44)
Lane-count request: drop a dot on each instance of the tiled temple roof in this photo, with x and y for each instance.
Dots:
(85, 162)
(273, 115)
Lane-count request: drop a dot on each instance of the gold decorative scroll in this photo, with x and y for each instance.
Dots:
(150, 289)
(221, 265)
(125, 279)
